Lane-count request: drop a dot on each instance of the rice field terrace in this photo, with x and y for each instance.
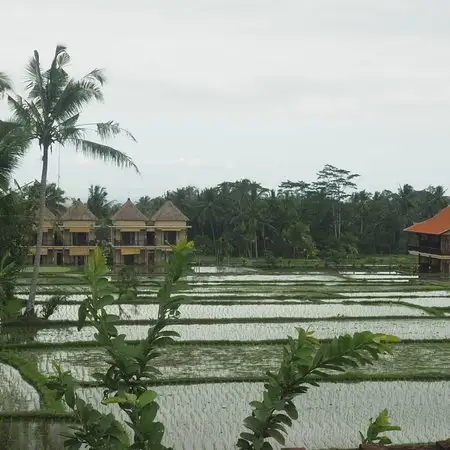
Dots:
(232, 331)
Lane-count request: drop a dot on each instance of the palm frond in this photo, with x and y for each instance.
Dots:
(70, 132)
(23, 112)
(56, 76)
(35, 80)
(61, 58)
(70, 122)
(5, 83)
(75, 96)
(97, 75)
(103, 152)
(108, 130)
(13, 143)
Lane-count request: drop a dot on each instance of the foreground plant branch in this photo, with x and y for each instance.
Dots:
(130, 367)
(305, 361)
(381, 424)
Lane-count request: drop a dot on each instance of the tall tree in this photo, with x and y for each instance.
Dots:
(335, 184)
(209, 211)
(5, 83)
(50, 114)
(98, 201)
(298, 237)
(15, 210)
(55, 198)
(13, 143)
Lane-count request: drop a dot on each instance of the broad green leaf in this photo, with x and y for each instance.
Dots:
(277, 436)
(106, 300)
(284, 419)
(70, 398)
(252, 423)
(243, 444)
(147, 415)
(82, 312)
(291, 410)
(110, 400)
(146, 398)
(248, 436)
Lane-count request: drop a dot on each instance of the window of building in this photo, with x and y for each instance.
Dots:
(80, 239)
(151, 239)
(170, 237)
(128, 260)
(128, 238)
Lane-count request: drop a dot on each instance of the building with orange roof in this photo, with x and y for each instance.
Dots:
(430, 241)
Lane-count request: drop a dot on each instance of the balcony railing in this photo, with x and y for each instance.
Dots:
(83, 243)
(134, 243)
(426, 249)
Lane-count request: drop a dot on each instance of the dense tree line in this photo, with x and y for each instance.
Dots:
(329, 217)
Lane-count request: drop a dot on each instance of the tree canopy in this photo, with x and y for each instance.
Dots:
(297, 220)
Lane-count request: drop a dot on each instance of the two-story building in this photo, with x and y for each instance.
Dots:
(78, 234)
(69, 239)
(430, 241)
(139, 240)
(135, 238)
(48, 239)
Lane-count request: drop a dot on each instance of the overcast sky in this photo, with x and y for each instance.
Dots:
(220, 90)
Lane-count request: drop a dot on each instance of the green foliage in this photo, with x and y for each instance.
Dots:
(10, 306)
(49, 114)
(304, 361)
(127, 283)
(55, 198)
(381, 424)
(51, 305)
(30, 373)
(98, 201)
(131, 365)
(16, 224)
(271, 259)
(340, 218)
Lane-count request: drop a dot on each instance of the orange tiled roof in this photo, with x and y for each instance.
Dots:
(438, 224)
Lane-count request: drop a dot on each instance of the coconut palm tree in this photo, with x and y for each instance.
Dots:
(13, 143)
(50, 114)
(55, 198)
(98, 201)
(5, 83)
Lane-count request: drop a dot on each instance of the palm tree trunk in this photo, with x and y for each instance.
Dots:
(213, 237)
(256, 245)
(40, 228)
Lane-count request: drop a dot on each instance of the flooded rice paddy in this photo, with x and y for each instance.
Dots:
(232, 329)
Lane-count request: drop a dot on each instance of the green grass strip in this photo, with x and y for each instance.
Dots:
(348, 377)
(45, 324)
(31, 416)
(31, 375)
(195, 343)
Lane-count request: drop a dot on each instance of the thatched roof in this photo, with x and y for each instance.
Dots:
(78, 211)
(48, 215)
(169, 212)
(130, 212)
